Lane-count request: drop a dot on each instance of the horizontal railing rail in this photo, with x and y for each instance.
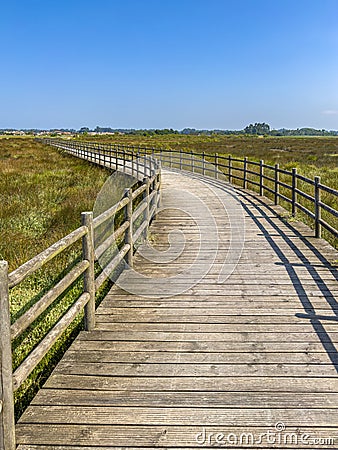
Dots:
(135, 212)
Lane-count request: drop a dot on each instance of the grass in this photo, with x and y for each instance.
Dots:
(42, 194)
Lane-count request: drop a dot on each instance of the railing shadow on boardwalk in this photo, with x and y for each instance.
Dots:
(309, 309)
(245, 197)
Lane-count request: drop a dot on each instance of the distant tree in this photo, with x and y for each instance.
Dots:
(84, 130)
(257, 128)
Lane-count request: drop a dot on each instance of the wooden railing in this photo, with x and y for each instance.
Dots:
(140, 203)
(127, 159)
(310, 197)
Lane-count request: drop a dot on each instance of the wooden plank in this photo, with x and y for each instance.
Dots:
(104, 356)
(194, 370)
(139, 315)
(196, 346)
(213, 290)
(261, 265)
(214, 282)
(235, 277)
(311, 384)
(120, 415)
(150, 436)
(276, 328)
(213, 337)
(219, 399)
(215, 304)
(206, 305)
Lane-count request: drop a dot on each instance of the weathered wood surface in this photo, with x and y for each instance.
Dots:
(237, 356)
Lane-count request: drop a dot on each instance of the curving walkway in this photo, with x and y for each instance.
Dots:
(234, 333)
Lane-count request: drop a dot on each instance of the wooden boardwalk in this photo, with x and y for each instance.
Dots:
(179, 363)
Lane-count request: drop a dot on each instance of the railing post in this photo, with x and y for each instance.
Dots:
(318, 227)
(158, 187)
(132, 163)
(115, 149)
(294, 193)
(111, 149)
(138, 165)
(216, 166)
(144, 164)
(146, 193)
(245, 169)
(7, 424)
(170, 159)
(192, 161)
(89, 275)
(261, 179)
(180, 159)
(128, 213)
(276, 184)
(203, 163)
(124, 160)
(230, 169)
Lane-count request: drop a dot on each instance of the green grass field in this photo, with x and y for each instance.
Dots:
(43, 193)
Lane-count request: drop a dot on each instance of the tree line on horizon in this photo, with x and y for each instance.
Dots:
(256, 129)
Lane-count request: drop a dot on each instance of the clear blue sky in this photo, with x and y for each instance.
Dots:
(169, 63)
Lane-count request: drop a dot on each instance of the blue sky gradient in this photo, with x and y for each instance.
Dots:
(169, 63)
